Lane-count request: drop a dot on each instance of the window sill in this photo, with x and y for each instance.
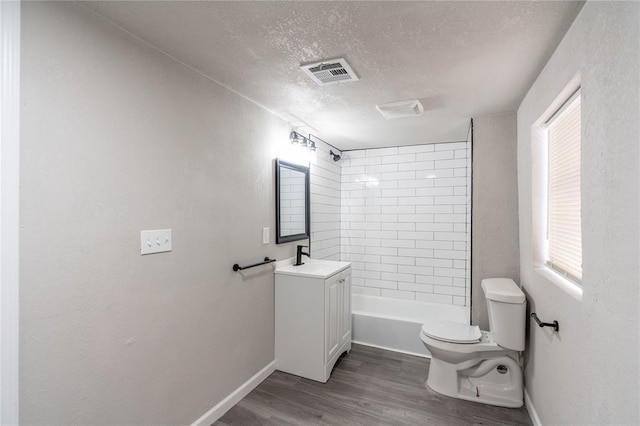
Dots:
(568, 286)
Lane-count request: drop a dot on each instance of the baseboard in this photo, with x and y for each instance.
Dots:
(234, 397)
(392, 349)
(533, 414)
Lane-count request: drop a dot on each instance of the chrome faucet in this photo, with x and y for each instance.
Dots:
(299, 254)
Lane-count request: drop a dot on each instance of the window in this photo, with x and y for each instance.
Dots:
(564, 233)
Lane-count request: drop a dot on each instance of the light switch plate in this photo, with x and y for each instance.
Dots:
(265, 235)
(156, 241)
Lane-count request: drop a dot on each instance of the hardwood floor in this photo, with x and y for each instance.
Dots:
(369, 386)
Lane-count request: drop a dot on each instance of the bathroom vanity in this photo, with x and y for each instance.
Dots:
(312, 317)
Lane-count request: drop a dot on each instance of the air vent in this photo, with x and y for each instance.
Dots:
(401, 109)
(330, 72)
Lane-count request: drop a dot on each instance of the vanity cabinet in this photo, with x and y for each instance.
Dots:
(312, 319)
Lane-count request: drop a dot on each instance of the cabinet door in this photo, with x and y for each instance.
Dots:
(345, 308)
(331, 316)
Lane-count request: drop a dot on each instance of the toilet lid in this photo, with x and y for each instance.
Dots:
(455, 332)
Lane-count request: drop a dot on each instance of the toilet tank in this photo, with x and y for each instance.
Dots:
(506, 305)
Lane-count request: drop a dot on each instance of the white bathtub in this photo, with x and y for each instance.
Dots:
(395, 324)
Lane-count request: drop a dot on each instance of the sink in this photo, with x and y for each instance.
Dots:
(313, 268)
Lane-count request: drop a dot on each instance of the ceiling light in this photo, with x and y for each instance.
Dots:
(401, 109)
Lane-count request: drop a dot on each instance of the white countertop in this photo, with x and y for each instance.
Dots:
(313, 268)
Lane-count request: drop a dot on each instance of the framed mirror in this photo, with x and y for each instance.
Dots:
(293, 214)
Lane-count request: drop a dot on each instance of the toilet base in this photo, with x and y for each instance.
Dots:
(494, 381)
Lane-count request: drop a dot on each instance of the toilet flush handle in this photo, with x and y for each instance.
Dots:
(554, 324)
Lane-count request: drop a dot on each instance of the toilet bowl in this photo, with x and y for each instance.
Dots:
(481, 366)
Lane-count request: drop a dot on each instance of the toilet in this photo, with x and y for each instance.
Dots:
(482, 366)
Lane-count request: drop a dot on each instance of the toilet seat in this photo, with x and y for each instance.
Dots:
(453, 332)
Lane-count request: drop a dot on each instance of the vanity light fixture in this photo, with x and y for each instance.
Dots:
(297, 139)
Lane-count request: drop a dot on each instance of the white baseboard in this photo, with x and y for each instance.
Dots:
(533, 414)
(234, 397)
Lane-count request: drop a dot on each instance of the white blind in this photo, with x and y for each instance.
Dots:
(564, 231)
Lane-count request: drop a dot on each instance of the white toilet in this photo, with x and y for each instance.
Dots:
(481, 366)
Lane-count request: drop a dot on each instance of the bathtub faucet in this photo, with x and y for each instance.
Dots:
(299, 254)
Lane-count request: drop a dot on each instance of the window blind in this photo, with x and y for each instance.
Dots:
(564, 233)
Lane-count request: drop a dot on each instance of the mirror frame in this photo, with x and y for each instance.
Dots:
(307, 203)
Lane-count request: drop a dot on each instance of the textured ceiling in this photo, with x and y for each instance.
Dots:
(461, 59)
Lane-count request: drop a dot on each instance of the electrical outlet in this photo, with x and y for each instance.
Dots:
(156, 241)
(265, 235)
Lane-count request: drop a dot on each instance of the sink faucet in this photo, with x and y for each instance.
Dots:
(299, 254)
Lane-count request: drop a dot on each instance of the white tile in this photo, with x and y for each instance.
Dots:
(426, 192)
(382, 201)
(385, 251)
(422, 183)
(451, 146)
(457, 300)
(416, 217)
(372, 275)
(389, 226)
(381, 267)
(416, 270)
(430, 156)
(453, 291)
(415, 252)
(382, 234)
(399, 209)
(367, 258)
(434, 298)
(448, 254)
(382, 168)
(416, 148)
(449, 272)
(404, 158)
(434, 226)
(418, 165)
(434, 174)
(450, 200)
(398, 175)
(440, 263)
(381, 218)
(437, 245)
(415, 235)
(378, 152)
(369, 291)
(451, 182)
(393, 276)
(430, 279)
(450, 164)
(404, 192)
(396, 260)
(422, 288)
(393, 285)
(442, 208)
(460, 153)
(398, 243)
(450, 218)
(414, 201)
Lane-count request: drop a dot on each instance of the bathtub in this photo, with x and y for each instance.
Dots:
(395, 324)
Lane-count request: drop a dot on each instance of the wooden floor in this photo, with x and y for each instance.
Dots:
(369, 386)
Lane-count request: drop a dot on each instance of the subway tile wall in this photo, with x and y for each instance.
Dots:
(405, 221)
(325, 203)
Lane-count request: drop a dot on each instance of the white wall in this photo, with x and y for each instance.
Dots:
(117, 138)
(404, 221)
(588, 372)
(495, 207)
(325, 203)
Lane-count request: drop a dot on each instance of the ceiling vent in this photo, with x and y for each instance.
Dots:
(401, 109)
(330, 72)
